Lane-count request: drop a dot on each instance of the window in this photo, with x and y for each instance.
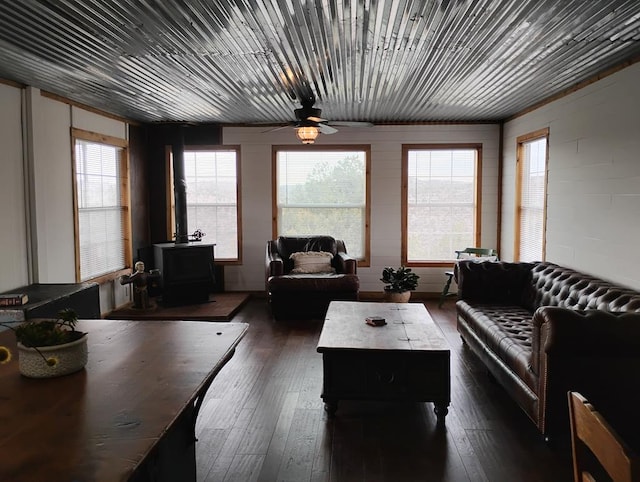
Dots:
(531, 188)
(101, 203)
(439, 202)
(213, 193)
(323, 191)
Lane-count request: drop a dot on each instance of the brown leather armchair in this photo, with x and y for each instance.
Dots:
(307, 295)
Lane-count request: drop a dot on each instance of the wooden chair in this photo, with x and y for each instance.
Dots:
(591, 432)
(470, 252)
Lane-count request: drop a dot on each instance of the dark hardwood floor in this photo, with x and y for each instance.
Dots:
(263, 420)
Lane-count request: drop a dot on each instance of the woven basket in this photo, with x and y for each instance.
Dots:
(63, 359)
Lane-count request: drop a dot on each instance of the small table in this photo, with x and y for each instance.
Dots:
(129, 415)
(407, 359)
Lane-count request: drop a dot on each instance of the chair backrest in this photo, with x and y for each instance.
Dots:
(589, 430)
(477, 252)
(286, 245)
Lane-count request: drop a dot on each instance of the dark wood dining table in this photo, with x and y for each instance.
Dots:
(128, 415)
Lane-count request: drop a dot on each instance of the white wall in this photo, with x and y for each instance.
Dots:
(593, 193)
(45, 125)
(13, 227)
(386, 161)
(49, 122)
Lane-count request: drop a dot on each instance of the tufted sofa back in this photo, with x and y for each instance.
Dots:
(554, 285)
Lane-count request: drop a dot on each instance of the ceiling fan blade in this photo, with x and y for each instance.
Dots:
(350, 124)
(275, 129)
(316, 119)
(325, 129)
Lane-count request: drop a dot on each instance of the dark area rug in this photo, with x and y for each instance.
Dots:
(220, 307)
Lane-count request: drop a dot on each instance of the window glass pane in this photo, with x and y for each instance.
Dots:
(212, 198)
(441, 210)
(100, 211)
(532, 199)
(323, 193)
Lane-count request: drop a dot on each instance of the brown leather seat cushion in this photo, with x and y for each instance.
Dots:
(505, 330)
(314, 282)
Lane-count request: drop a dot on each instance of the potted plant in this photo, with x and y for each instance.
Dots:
(49, 348)
(399, 283)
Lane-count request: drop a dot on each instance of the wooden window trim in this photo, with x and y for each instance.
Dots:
(405, 201)
(531, 136)
(366, 148)
(80, 134)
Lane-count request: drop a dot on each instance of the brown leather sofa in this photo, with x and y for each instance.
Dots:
(308, 295)
(542, 330)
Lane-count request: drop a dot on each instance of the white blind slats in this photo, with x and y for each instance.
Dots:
(323, 192)
(532, 199)
(212, 198)
(441, 202)
(100, 210)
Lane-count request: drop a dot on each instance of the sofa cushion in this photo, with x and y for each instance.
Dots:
(314, 283)
(312, 262)
(497, 283)
(506, 331)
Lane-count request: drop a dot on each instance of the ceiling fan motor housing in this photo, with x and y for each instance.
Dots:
(305, 112)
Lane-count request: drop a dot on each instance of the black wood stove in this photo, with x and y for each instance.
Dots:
(186, 266)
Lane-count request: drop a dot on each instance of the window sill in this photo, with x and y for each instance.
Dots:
(106, 278)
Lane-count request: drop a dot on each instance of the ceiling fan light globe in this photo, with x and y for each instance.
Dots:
(307, 134)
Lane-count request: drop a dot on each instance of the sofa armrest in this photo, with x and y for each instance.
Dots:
(274, 264)
(585, 332)
(594, 352)
(494, 282)
(345, 263)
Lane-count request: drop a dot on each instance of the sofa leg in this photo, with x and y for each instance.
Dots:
(441, 409)
(445, 290)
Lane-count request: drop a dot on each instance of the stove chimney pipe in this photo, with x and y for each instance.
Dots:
(180, 187)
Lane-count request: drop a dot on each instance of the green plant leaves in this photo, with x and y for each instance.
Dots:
(402, 279)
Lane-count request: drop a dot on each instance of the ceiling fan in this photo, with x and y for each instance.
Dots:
(309, 123)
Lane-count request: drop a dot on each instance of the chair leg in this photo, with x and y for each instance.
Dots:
(445, 290)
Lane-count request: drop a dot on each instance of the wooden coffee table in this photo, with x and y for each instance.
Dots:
(407, 359)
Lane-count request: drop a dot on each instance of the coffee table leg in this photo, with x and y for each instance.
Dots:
(331, 406)
(441, 409)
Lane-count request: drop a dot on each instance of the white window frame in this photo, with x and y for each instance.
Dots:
(407, 149)
(113, 271)
(364, 259)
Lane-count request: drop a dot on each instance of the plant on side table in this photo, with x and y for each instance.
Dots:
(399, 283)
(48, 348)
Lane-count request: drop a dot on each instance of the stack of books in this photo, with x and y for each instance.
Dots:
(375, 321)
(13, 299)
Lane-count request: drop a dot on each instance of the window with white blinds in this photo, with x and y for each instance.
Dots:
(440, 202)
(324, 192)
(102, 214)
(213, 191)
(531, 207)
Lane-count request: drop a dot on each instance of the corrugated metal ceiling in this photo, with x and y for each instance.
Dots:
(253, 61)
